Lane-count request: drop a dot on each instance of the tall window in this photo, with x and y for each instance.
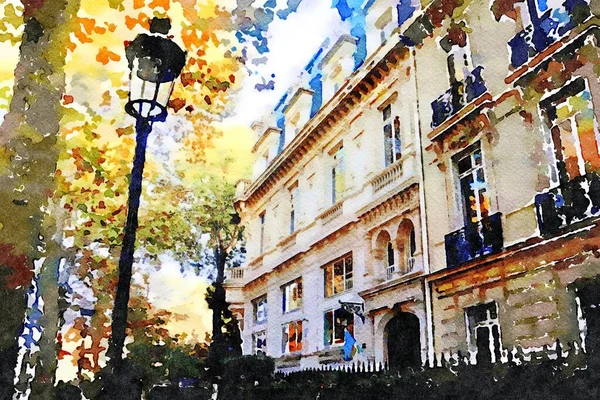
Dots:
(484, 332)
(294, 203)
(259, 343)
(390, 267)
(412, 249)
(474, 189)
(292, 295)
(390, 254)
(338, 276)
(570, 114)
(291, 337)
(455, 43)
(338, 180)
(261, 219)
(335, 322)
(391, 135)
(259, 307)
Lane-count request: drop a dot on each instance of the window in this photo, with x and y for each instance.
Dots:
(455, 43)
(483, 333)
(292, 295)
(390, 254)
(259, 307)
(338, 181)
(261, 218)
(294, 203)
(259, 343)
(570, 115)
(292, 337)
(391, 134)
(390, 267)
(338, 276)
(335, 322)
(412, 249)
(473, 187)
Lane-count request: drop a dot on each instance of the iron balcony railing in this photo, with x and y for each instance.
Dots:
(459, 95)
(474, 240)
(393, 271)
(545, 30)
(390, 272)
(571, 202)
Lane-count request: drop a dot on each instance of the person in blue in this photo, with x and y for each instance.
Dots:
(349, 345)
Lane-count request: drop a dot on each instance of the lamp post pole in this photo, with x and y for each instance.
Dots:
(155, 62)
(119, 318)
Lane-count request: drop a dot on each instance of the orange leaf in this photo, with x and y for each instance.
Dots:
(177, 104)
(138, 4)
(104, 56)
(160, 3)
(88, 24)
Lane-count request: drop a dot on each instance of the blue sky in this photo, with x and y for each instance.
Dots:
(292, 42)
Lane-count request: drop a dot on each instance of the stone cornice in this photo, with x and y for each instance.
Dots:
(361, 83)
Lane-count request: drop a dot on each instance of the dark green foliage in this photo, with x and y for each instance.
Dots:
(571, 377)
(247, 377)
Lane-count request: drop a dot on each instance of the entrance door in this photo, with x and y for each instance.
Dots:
(589, 297)
(403, 339)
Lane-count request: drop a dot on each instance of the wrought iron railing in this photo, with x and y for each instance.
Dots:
(474, 240)
(410, 265)
(390, 272)
(545, 30)
(459, 95)
(571, 202)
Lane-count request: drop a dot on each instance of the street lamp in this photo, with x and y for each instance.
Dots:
(155, 62)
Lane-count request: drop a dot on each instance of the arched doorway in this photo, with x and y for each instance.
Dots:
(403, 340)
(588, 294)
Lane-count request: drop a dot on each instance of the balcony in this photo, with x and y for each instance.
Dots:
(459, 95)
(474, 240)
(394, 271)
(545, 30)
(387, 177)
(571, 202)
(234, 274)
(332, 212)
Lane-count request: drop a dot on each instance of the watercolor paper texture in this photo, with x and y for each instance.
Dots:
(299, 199)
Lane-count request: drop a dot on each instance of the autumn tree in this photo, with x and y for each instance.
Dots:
(28, 139)
(66, 147)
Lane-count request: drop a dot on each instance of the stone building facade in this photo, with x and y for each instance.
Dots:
(437, 194)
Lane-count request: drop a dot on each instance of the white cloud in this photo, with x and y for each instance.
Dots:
(292, 43)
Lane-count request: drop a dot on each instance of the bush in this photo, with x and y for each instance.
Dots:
(247, 377)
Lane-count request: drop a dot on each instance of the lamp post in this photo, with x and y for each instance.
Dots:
(154, 62)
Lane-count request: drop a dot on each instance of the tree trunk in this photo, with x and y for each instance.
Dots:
(28, 136)
(218, 350)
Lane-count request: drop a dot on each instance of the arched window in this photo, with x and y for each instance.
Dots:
(384, 254)
(412, 248)
(407, 245)
(390, 254)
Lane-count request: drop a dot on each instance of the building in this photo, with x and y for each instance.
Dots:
(429, 188)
